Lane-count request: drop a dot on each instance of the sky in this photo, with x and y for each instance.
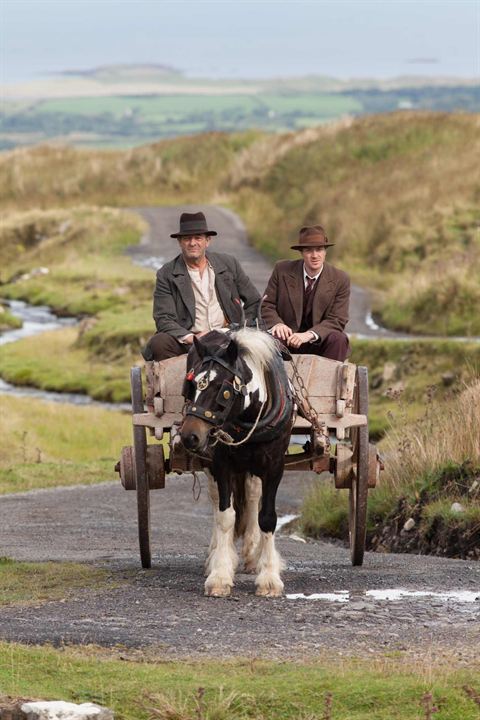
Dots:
(243, 38)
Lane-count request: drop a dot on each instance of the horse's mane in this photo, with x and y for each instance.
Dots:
(258, 348)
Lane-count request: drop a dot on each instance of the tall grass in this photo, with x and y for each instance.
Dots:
(448, 433)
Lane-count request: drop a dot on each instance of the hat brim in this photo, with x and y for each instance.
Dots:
(310, 245)
(208, 233)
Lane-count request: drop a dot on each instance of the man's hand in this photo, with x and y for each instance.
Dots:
(281, 331)
(188, 339)
(297, 339)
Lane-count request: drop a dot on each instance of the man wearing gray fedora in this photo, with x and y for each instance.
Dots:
(306, 301)
(197, 291)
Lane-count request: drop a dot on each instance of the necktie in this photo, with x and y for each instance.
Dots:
(310, 285)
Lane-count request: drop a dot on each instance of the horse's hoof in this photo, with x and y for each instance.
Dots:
(269, 592)
(218, 592)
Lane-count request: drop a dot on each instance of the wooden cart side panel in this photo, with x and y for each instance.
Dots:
(319, 374)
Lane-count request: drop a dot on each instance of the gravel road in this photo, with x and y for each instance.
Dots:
(165, 608)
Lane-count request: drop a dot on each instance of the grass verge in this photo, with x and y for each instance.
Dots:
(261, 690)
(28, 583)
(44, 444)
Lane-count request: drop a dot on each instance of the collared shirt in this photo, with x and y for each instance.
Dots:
(312, 277)
(208, 312)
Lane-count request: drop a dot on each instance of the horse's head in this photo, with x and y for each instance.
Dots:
(214, 388)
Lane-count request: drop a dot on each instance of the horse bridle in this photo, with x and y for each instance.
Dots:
(278, 413)
(226, 396)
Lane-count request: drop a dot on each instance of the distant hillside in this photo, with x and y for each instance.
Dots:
(399, 194)
(129, 105)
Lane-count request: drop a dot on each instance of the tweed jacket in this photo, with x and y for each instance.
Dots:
(174, 301)
(284, 298)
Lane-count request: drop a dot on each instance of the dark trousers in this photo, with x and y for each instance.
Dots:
(162, 346)
(334, 346)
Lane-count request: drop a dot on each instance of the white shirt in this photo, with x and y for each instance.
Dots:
(208, 312)
(312, 277)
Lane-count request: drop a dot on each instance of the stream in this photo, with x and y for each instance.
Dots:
(37, 319)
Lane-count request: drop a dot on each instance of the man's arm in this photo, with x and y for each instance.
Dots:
(165, 312)
(336, 316)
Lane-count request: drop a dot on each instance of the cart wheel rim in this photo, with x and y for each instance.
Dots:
(359, 489)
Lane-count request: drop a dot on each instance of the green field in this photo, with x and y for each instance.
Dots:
(144, 685)
(123, 119)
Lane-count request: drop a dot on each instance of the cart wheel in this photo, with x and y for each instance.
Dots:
(141, 474)
(359, 488)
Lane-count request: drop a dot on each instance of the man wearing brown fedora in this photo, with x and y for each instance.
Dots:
(306, 301)
(197, 291)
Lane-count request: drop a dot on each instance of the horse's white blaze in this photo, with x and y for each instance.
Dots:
(251, 536)
(212, 374)
(269, 567)
(222, 560)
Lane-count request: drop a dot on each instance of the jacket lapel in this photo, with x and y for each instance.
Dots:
(294, 282)
(182, 280)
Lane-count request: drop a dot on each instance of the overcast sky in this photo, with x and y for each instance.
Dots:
(242, 38)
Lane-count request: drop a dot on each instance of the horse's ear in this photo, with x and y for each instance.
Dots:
(198, 347)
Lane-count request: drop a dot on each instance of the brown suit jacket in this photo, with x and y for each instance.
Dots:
(284, 298)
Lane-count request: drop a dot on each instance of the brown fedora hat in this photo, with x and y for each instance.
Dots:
(312, 236)
(193, 224)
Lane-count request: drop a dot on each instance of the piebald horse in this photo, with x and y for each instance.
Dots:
(238, 418)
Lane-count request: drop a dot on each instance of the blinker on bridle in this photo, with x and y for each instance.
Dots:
(226, 396)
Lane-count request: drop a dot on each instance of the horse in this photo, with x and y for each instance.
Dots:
(238, 417)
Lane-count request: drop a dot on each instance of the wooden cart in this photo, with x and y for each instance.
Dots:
(332, 395)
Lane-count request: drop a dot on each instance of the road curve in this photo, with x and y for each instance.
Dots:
(232, 238)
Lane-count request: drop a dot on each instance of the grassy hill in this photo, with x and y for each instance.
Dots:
(398, 193)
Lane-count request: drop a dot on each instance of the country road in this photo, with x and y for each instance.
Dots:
(165, 608)
(232, 238)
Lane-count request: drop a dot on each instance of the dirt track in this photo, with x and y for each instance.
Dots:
(165, 607)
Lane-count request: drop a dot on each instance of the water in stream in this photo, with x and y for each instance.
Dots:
(37, 319)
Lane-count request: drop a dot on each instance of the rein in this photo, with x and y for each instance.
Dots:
(223, 437)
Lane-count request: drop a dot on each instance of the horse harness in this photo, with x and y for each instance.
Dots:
(236, 430)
